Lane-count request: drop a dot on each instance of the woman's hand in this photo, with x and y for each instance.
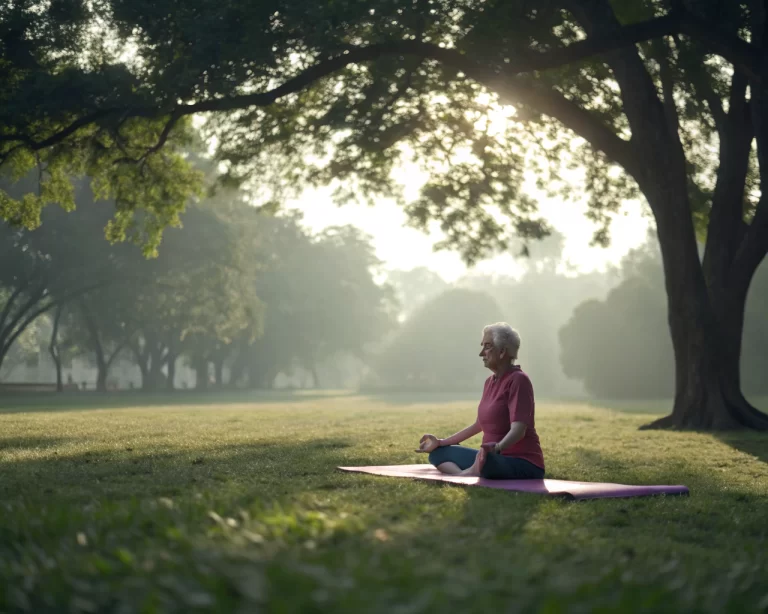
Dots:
(427, 443)
(490, 447)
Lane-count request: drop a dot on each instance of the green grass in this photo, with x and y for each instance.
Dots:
(233, 504)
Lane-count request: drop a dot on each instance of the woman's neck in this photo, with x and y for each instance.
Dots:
(505, 369)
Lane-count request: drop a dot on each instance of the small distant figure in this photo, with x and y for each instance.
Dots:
(84, 385)
(131, 385)
(70, 379)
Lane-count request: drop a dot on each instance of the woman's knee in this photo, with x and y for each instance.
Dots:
(437, 456)
(503, 468)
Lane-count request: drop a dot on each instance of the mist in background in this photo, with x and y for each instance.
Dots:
(236, 298)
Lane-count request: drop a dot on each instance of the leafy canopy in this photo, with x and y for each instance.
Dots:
(130, 71)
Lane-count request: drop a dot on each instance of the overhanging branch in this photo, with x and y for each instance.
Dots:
(745, 57)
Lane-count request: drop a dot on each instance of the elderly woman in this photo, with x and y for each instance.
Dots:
(510, 449)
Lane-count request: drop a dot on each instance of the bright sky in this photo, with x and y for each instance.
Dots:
(401, 247)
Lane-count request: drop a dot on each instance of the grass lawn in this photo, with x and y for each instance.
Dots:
(233, 504)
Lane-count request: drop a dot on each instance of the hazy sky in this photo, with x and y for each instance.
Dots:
(401, 247)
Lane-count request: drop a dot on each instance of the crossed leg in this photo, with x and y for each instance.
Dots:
(457, 460)
(461, 461)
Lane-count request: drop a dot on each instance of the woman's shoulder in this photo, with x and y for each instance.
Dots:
(518, 377)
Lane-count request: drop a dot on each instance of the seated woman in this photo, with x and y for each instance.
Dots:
(510, 448)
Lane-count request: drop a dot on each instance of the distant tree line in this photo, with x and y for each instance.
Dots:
(233, 290)
(443, 321)
(604, 334)
(620, 346)
(241, 296)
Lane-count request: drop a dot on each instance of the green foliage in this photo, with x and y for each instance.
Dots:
(353, 127)
(63, 116)
(160, 504)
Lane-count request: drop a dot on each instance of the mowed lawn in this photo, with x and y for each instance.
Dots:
(233, 504)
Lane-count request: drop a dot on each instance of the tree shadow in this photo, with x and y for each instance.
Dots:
(527, 546)
(8, 444)
(752, 443)
(309, 532)
(124, 472)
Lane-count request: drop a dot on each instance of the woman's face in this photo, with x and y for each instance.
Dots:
(490, 355)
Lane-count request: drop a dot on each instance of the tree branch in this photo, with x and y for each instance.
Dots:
(19, 324)
(713, 100)
(668, 86)
(20, 328)
(170, 124)
(726, 218)
(745, 57)
(580, 121)
(9, 303)
(8, 329)
(59, 136)
(742, 55)
(117, 351)
(754, 244)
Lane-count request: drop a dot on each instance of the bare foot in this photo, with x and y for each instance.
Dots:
(477, 467)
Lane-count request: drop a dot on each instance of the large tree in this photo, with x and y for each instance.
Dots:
(314, 92)
(194, 299)
(52, 265)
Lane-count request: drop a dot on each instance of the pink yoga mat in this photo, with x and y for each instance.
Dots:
(560, 488)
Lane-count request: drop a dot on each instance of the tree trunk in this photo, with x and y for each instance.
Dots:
(144, 374)
(156, 367)
(101, 378)
(140, 355)
(315, 376)
(705, 318)
(238, 368)
(102, 367)
(53, 349)
(150, 360)
(708, 387)
(219, 367)
(706, 325)
(170, 382)
(201, 374)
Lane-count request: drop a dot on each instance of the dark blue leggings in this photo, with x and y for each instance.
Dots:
(497, 467)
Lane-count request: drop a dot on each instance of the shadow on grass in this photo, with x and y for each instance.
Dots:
(52, 402)
(243, 471)
(749, 442)
(315, 539)
(10, 444)
(633, 406)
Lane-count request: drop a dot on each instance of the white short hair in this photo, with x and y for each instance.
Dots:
(504, 338)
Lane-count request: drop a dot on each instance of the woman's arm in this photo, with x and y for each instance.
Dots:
(456, 438)
(515, 434)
